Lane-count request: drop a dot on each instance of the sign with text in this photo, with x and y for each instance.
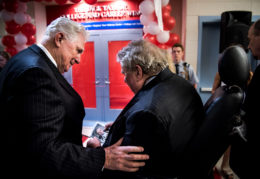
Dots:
(102, 15)
(130, 24)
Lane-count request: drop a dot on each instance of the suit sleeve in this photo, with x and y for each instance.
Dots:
(44, 114)
(144, 129)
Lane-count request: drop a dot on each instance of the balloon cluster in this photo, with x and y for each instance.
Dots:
(152, 32)
(18, 24)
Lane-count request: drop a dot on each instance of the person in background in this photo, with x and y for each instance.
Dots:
(4, 57)
(245, 158)
(41, 114)
(183, 69)
(163, 116)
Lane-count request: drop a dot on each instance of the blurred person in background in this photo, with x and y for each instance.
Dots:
(183, 68)
(4, 57)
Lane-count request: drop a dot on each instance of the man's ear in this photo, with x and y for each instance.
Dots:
(139, 72)
(58, 38)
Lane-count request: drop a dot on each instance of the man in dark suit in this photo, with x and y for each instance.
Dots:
(163, 116)
(245, 157)
(41, 114)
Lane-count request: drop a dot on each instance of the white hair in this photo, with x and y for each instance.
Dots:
(66, 26)
(148, 56)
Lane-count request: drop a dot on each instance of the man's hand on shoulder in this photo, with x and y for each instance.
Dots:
(124, 158)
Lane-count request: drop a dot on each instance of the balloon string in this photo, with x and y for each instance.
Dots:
(158, 13)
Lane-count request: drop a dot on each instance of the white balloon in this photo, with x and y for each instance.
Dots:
(145, 19)
(29, 19)
(22, 7)
(165, 2)
(146, 7)
(20, 18)
(7, 16)
(153, 28)
(145, 29)
(163, 36)
(20, 39)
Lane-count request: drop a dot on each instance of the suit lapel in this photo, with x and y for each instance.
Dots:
(62, 81)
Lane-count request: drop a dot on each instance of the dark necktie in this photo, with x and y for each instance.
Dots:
(177, 68)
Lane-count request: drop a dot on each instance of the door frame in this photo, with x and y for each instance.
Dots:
(204, 91)
(102, 113)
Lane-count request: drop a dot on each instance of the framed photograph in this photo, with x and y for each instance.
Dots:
(99, 133)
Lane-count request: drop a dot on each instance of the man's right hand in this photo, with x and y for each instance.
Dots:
(124, 158)
(108, 125)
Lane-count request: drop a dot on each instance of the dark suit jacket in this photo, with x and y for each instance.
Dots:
(245, 155)
(162, 117)
(41, 117)
(251, 107)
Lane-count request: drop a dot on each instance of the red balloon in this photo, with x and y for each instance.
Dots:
(169, 23)
(75, 1)
(11, 5)
(48, 0)
(90, 1)
(31, 40)
(61, 2)
(167, 8)
(163, 46)
(28, 29)
(151, 38)
(11, 50)
(174, 38)
(12, 27)
(8, 40)
(166, 15)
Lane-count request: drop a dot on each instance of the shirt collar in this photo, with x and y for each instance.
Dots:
(180, 63)
(48, 54)
(149, 79)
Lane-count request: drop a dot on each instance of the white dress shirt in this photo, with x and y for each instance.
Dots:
(48, 54)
